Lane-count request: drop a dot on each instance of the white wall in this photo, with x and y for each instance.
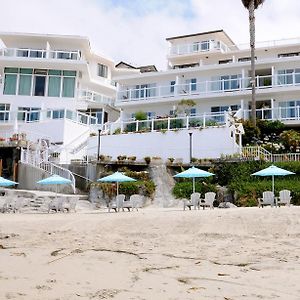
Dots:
(207, 143)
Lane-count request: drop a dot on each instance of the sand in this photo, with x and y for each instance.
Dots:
(156, 253)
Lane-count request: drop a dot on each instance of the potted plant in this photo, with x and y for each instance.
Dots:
(147, 159)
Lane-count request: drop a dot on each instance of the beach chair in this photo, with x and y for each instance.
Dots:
(208, 200)
(56, 204)
(117, 204)
(194, 201)
(284, 198)
(267, 199)
(133, 203)
(70, 204)
(3, 204)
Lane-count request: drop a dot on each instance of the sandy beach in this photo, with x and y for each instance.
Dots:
(156, 253)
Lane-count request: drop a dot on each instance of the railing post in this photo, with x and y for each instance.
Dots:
(187, 122)
(152, 124)
(168, 123)
(137, 125)
(257, 81)
(204, 120)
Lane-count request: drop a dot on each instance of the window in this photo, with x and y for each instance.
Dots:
(204, 45)
(10, 81)
(39, 82)
(241, 59)
(289, 76)
(186, 66)
(28, 114)
(225, 61)
(229, 82)
(4, 112)
(58, 114)
(102, 71)
(289, 109)
(172, 86)
(193, 84)
(25, 79)
(289, 54)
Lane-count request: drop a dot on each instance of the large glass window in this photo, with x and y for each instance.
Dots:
(35, 82)
(102, 71)
(28, 114)
(25, 82)
(4, 112)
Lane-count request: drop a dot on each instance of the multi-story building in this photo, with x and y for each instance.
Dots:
(214, 72)
(55, 88)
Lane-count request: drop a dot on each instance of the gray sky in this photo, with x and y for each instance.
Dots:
(135, 30)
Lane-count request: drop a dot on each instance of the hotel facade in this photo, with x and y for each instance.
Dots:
(54, 88)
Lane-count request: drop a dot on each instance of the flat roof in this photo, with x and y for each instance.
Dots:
(200, 33)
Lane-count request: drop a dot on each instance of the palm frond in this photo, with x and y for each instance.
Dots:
(246, 3)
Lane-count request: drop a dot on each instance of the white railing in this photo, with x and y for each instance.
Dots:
(212, 45)
(88, 95)
(25, 116)
(204, 46)
(40, 53)
(209, 87)
(260, 153)
(166, 123)
(39, 158)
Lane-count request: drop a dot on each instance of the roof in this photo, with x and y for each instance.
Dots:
(149, 68)
(200, 33)
(143, 69)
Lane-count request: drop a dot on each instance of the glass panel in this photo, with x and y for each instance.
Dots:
(25, 85)
(69, 73)
(40, 71)
(39, 89)
(36, 53)
(54, 72)
(10, 84)
(68, 87)
(22, 53)
(26, 71)
(11, 70)
(54, 85)
(193, 84)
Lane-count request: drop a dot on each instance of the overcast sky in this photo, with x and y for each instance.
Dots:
(135, 30)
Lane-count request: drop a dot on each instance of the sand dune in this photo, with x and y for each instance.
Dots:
(243, 253)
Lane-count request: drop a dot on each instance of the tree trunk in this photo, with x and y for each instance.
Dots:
(252, 47)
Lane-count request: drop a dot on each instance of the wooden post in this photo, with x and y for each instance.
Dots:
(1, 167)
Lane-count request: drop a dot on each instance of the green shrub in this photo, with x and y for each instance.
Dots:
(140, 116)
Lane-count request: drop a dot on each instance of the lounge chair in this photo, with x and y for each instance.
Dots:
(56, 204)
(208, 200)
(194, 201)
(267, 199)
(284, 198)
(133, 203)
(70, 204)
(117, 204)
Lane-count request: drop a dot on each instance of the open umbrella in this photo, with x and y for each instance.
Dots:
(55, 180)
(116, 177)
(193, 173)
(273, 171)
(6, 182)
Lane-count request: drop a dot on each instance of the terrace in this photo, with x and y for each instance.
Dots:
(208, 88)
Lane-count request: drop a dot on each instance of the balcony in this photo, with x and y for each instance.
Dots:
(36, 116)
(91, 96)
(213, 45)
(203, 89)
(198, 47)
(40, 54)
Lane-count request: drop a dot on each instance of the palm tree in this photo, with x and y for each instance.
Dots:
(251, 5)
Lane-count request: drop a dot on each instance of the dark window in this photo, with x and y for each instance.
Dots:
(39, 87)
(172, 86)
(225, 61)
(289, 54)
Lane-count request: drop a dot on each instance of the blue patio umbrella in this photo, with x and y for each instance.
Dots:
(116, 177)
(6, 182)
(193, 173)
(54, 180)
(273, 171)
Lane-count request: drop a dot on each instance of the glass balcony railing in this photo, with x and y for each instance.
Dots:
(88, 95)
(205, 88)
(40, 53)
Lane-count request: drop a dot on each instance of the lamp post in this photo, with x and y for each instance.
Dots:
(99, 136)
(191, 145)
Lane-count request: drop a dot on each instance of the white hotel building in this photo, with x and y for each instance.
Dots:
(212, 70)
(55, 88)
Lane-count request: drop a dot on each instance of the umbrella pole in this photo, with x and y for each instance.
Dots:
(273, 184)
(193, 184)
(117, 188)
